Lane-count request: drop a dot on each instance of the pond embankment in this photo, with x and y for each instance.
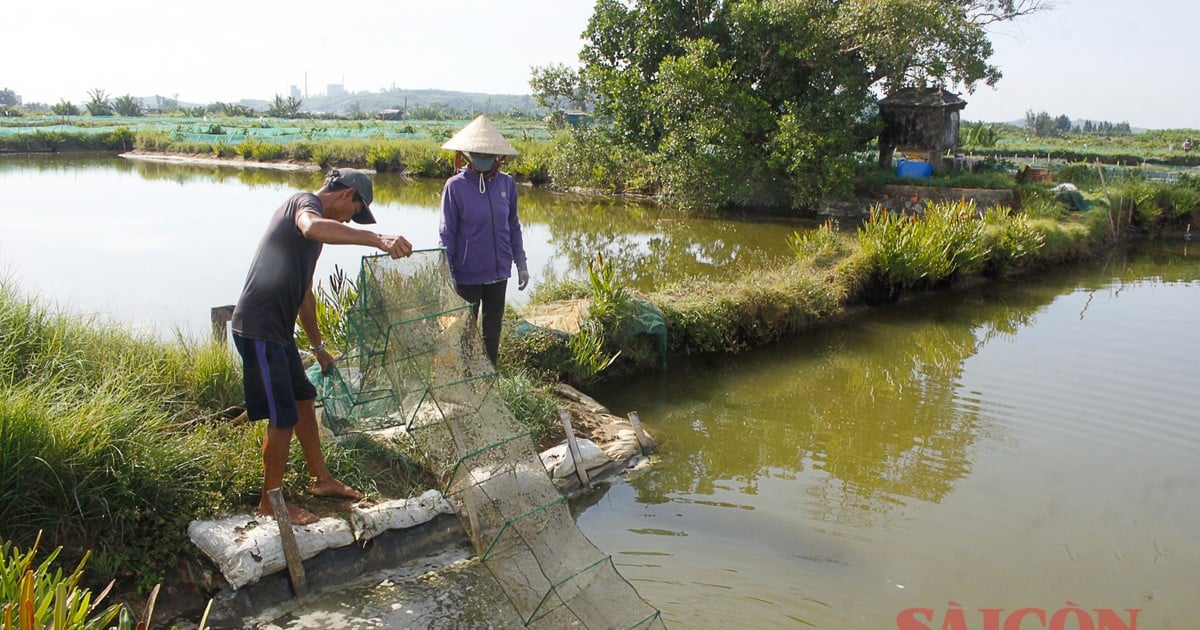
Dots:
(248, 570)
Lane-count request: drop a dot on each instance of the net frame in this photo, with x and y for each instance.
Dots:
(418, 363)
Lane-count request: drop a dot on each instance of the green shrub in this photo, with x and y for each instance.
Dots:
(910, 252)
(322, 154)
(266, 151)
(223, 149)
(1010, 239)
(538, 351)
(1178, 200)
(1081, 174)
(560, 289)
(822, 245)
(425, 159)
(385, 156)
(591, 159)
(533, 163)
(42, 596)
(247, 147)
(119, 139)
(334, 300)
(151, 140)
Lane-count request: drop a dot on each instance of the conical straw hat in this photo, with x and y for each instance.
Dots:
(481, 136)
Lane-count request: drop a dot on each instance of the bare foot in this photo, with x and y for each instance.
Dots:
(333, 488)
(297, 515)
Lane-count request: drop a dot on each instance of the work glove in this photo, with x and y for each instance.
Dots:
(522, 279)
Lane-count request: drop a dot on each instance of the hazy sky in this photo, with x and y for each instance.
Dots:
(1113, 60)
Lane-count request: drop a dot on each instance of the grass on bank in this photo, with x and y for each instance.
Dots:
(890, 255)
(114, 441)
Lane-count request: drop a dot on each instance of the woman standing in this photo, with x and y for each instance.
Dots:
(480, 228)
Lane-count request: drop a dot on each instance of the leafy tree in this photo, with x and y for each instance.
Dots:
(1041, 124)
(65, 108)
(761, 101)
(1062, 124)
(98, 105)
(128, 106)
(355, 111)
(558, 87)
(8, 97)
(284, 107)
(233, 110)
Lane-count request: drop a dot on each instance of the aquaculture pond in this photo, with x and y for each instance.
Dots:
(1021, 455)
(1017, 455)
(158, 245)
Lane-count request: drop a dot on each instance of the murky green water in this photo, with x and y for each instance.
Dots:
(1017, 446)
(160, 244)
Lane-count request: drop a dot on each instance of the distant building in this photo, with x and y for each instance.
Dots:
(335, 89)
(390, 114)
(919, 122)
(575, 118)
(294, 92)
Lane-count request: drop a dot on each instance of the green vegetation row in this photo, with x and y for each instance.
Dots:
(596, 159)
(417, 157)
(1157, 146)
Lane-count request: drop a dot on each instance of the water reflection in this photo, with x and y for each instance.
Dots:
(649, 245)
(1007, 446)
(194, 227)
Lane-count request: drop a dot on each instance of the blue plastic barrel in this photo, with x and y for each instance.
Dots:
(914, 168)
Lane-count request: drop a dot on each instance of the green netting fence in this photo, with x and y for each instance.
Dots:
(418, 365)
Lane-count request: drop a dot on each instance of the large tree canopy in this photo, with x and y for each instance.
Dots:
(762, 101)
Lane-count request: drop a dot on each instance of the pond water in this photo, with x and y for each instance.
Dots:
(1024, 445)
(1018, 446)
(1021, 445)
(157, 245)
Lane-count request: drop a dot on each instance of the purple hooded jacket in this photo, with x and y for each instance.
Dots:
(481, 231)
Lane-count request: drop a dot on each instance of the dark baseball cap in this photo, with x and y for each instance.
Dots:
(361, 183)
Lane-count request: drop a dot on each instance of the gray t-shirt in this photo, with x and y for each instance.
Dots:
(280, 275)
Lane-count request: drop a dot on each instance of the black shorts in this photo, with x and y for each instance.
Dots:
(273, 378)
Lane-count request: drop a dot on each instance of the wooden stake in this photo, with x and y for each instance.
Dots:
(1112, 225)
(291, 552)
(643, 440)
(573, 444)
